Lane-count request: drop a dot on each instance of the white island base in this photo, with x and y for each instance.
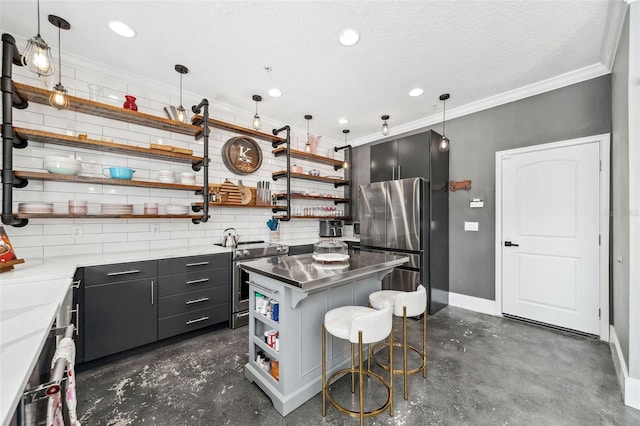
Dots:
(299, 326)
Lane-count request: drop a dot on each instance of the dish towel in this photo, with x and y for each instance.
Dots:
(66, 350)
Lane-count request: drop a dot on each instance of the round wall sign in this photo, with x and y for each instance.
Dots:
(242, 155)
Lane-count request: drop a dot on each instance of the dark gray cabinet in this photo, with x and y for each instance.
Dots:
(78, 306)
(405, 157)
(193, 293)
(120, 308)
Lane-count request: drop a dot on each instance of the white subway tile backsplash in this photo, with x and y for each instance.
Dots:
(72, 249)
(127, 246)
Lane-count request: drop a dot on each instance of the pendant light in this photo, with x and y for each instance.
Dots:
(307, 146)
(37, 54)
(345, 163)
(59, 97)
(385, 125)
(182, 113)
(444, 142)
(257, 124)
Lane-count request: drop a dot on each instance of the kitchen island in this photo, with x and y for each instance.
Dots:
(304, 291)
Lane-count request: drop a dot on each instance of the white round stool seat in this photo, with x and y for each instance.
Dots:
(347, 321)
(415, 301)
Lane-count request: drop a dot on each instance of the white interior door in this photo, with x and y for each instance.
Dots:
(550, 233)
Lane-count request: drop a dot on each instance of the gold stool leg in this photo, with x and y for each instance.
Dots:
(424, 344)
(361, 378)
(404, 350)
(353, 366)
(391, 370)
(324, 371)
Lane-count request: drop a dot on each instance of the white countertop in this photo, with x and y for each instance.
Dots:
(27, 312)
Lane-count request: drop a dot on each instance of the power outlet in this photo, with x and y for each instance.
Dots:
(471, 226)
(155, 228)
(76, 231)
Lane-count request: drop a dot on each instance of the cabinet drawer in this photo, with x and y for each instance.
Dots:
(192, 301)
(105, 274)
(183, 323)
(181, 265)
(183, 283)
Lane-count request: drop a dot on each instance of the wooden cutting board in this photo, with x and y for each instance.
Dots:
(234, 195)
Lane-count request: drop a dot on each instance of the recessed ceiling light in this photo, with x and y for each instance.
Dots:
(416, 92)
(275, 93)
(343, 121)
(122, 29)
(349, 37)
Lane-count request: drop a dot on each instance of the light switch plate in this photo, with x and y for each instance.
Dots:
(471, 226)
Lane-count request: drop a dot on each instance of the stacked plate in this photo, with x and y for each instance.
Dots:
(35, 208)
(110, 209)
(176, 209)
(188, 178)
(167, 176)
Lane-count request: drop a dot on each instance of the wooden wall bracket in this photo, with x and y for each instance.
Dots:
(462, 184)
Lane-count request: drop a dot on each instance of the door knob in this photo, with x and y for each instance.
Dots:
(510, 244)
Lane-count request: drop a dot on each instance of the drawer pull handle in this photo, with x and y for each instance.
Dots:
(201, 280)
(133, 271)
(193, 321)
(191, 302)
(197, 264)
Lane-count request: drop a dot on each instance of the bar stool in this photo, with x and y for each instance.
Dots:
(361, 325)
(412, 303)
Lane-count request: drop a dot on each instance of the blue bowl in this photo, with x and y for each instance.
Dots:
(118, 172)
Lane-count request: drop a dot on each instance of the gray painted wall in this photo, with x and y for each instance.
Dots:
(579, 110)
(620, 190)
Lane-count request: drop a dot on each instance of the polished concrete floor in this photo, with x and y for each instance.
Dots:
(483, 370)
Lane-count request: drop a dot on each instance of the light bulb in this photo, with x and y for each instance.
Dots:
(385, 129)
(257, 124)
(37, 57)
(182, 114)
(345, 164)
(307, 147)
(59, 98)
(444, 144)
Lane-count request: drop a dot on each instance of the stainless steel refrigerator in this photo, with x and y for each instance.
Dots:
(409, 217)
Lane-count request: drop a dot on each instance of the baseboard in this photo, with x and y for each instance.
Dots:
(630, 387)
(476, 304)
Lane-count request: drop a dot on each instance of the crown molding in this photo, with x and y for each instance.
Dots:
(553, 83)
(613, 29)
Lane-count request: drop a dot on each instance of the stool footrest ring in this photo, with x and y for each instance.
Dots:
(352, 413)
(384, 366)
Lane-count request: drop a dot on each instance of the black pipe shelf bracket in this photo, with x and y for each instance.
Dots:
(275, 144)
(203, 109)
(10, 57)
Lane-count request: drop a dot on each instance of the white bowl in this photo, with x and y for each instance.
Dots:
(62, 165)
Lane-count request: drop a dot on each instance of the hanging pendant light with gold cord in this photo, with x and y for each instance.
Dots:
(345, 163)
(37, 54)
(307, 146)
(257, 123)
(181, 112)
(444, 142)
(385, 125)
(59, 97)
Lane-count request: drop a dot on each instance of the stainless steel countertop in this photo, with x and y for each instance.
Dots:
(303, 272)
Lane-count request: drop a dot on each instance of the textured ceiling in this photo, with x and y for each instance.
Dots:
(472, 49)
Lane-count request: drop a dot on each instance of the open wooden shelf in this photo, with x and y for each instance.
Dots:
(218, 124)
(250, 206)
(41, 96)
(311, 197)
(334, 181)
(103, 216)
(74, 141)
(317, 217)
(337, 164)
(104, 181)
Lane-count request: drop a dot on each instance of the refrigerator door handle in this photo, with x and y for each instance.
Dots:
(393, 173)
(399, 173)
